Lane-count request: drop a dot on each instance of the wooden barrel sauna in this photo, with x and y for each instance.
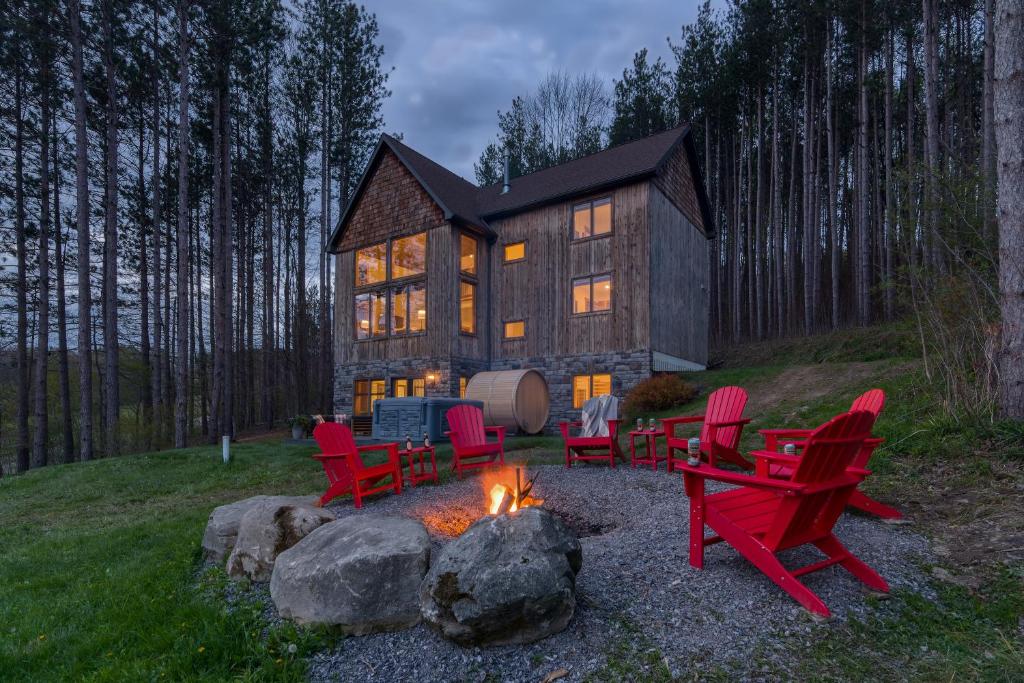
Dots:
(517, 399)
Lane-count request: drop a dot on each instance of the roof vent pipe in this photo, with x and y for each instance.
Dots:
(506, 187)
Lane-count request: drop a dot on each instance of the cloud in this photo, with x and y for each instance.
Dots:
(457, 62)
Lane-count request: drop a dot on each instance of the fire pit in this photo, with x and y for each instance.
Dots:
(509, 493)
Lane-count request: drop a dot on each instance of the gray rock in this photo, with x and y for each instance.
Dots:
(266, 530)
(361, 573)
(506, 580)
(222, 528)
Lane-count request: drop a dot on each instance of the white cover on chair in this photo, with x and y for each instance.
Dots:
(596, 413)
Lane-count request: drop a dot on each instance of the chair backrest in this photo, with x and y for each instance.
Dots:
(336, 439)
(467, 425)
(724, 405)
(872, 401)
(829, 450)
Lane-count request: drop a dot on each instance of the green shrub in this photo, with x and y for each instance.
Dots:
(659, 392)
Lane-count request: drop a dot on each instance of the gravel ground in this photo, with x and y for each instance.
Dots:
(636, 590)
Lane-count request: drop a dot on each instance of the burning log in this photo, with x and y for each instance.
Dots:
(504, 499)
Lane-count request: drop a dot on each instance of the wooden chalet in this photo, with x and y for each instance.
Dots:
(594, 272)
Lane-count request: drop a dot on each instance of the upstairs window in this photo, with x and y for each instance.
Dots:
(409, 256)
(409, 309)
(592, 219)
(515, 251)
(371, 315)
(515, 329)
(467, 254)
(372, 265)
(467, 307)
(592, 294)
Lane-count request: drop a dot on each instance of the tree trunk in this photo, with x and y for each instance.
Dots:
(59, 250)
(890, 190)
(931, 87)
(863, 216)
(988, 129)
(1009, 129)
(146, 389)
(183, 233)
(22, 448)
(39, 443)
(82, 223)
(835, 246)
(777, 226)
(156, 375)
(110, 323)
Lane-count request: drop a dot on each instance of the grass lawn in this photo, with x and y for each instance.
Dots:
(100, 573)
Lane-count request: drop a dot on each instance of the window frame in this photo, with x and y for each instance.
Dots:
(590, 386)
(475, 273)
(388, 288)
(591, 278)
(590, 203)
(508, 261)
(476, 286)
(504, 329)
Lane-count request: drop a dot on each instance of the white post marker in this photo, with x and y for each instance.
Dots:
(226, 448)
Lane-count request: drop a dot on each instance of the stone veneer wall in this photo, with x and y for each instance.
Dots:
(627, 369)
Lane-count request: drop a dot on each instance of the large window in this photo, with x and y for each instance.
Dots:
(467, 254)
(591, 219)
(515, 329)
(515, 251)
(396, 310)
(401, 387)
(367, 392)
(592, 294)
(371, 315)
(409, 309)
(409, 256)
(371, 265)
(467, 307)
(586, 386)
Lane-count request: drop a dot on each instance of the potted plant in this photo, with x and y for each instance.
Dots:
(300, 425)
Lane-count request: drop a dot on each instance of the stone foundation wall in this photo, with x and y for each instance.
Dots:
(626, 368)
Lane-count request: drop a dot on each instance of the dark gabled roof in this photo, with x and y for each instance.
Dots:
(604, 169)
(464, 202)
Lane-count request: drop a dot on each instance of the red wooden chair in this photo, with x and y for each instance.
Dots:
(591, 447)
(345, 468)
(721, 427)
(766, 515)
(872, 401)
(470, 446)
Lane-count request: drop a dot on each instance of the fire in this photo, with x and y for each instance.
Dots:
(510, 492)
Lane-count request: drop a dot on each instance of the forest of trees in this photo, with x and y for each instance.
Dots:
(180, 165)
(849, 150)
(170, 173)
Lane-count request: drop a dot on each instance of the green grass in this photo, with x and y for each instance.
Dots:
(101, 579)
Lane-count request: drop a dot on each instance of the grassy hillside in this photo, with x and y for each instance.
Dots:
(100, 576)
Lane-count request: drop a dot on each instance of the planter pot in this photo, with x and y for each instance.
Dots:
(298, 433)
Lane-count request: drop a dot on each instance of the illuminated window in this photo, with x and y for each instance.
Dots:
(462, 387)
(400, 388)
(367, 392)
(592, 294)
(467, 307)
(515, 251)
(371, 265)
(592, 218)
(409, 256)
(467, 254)
(586, 386)
(371, 315)
(408, 309)
(418, 387)
(515, 329)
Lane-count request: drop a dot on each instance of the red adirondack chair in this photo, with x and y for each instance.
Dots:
(872, 401)
(470, 447)
(721, 427)
(766, 515)
(345, 468)
(591, 447)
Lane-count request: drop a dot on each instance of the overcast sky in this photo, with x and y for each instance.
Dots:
(456, 62)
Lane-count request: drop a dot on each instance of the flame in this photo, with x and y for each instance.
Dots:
(500, 486)
(498, 492)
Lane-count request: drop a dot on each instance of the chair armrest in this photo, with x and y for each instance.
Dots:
(499, 431)
(772, 456)
(613, 427)
(376, 447)
(772, 436)
(708, 472)
(328, 456)
(669, 423)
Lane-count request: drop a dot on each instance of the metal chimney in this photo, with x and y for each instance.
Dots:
(506, 187)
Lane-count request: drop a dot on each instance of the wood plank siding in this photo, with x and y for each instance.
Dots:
(676, 182)
(538, 289)
(679, 278)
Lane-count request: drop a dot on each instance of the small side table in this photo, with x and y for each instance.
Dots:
(419, 469)
(651, 439)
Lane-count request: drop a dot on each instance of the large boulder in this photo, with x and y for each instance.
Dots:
(506, 580)
(265, 531)
(361, 573)
(222, 528)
